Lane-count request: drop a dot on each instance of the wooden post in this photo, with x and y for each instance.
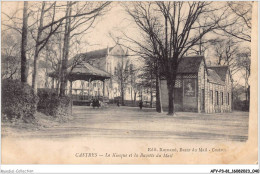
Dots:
(89, 88)
(103, 89)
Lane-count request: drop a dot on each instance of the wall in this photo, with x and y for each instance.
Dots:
(193, 102)
(208, 87)
(228, 89)
(212, 107)
(202, 85)
(116, 56)
(188, 102)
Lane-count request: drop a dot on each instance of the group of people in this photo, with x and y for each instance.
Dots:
(95, 103)
(140, 104)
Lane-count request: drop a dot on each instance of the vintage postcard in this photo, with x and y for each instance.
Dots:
(144, 82)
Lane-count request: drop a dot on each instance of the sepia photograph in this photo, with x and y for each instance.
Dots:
(138, 82)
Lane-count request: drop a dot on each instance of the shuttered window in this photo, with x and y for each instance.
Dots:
(228, 98)
(211, 94)
(222, 98)
(216, 97)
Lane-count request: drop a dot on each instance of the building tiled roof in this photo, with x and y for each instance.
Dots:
(190, 64)
(213, 77)
(84, 71)
(220, 70)
(95, 54)
(87, 69)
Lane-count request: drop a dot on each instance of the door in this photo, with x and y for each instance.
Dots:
(202, 101)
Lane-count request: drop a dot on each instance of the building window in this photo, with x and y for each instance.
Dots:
(228, 98)
(216, 97)
(212, 99)
(177, 83)
(222, 98)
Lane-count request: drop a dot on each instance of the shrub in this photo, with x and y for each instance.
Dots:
(51, 104)
(61, 106)
(18, 100)
(45, 100)
(241, 105)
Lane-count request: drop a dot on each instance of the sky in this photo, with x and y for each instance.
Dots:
(114, 22)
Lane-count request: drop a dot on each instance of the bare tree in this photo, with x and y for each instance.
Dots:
(65, 52)
(148, 79)
(84, 15)
(43, 24)
(226, 51)
(172, 28)
(44, 33)
(133, 82)
(244, 62)
(24, 67)
(10, 67)
(122, 75)
(18, 25)
(10, 54)
(159, 107)
(239, 20)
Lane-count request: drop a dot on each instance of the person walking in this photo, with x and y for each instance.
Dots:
(141, 104)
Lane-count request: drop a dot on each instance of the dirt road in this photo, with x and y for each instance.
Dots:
(129, 122)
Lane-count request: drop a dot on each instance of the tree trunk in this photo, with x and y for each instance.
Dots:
(135, 96)
(171, 77)
(170, 97)
(24, 68)
(46, 68)
(158, 93)
(151, 88)
(35, 70)
(151, 101)
(122, 96)
(36, 53)
(132, 94)
(65, 50)
(57, 86)
(71, 100)
(141, 94)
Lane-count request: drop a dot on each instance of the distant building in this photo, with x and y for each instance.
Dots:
(200, 88)
(106, 59)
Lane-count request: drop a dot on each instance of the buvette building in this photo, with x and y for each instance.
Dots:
(200, 88)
